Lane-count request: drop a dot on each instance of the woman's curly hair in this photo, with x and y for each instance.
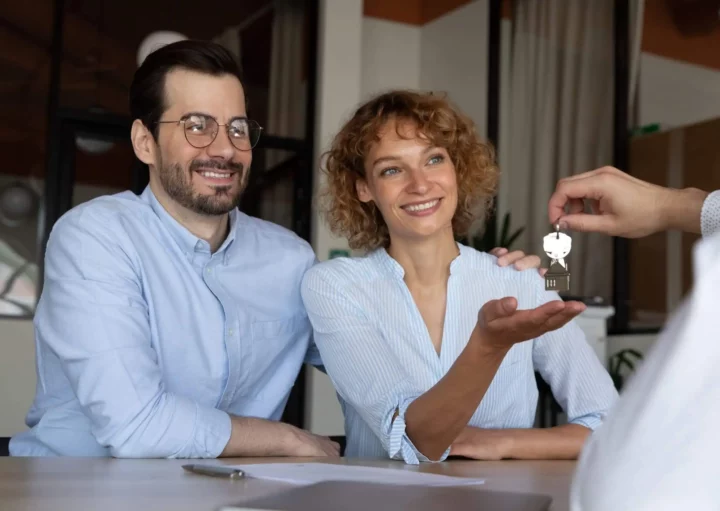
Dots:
(444, 126)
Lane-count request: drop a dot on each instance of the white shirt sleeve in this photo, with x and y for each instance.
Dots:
(659, 447)
(710, 214)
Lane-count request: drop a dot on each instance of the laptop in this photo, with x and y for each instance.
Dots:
(362, 496)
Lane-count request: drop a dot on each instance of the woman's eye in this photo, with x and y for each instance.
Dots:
(438, 158)
(389, 172)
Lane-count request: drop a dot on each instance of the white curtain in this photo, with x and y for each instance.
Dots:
(560, 114)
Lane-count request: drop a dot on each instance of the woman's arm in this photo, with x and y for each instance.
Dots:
(435, 418)
(579, 383)
(415, 423)
(561, 442)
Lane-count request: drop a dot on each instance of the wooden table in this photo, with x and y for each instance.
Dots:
(83, 484)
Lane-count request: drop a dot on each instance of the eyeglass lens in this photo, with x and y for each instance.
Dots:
(200, 131)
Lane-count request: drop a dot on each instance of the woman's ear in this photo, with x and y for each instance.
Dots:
(363, 190)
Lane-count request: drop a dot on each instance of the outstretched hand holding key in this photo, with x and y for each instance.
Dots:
(622, 205)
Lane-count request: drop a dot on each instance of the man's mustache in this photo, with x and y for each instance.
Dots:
(217, 165)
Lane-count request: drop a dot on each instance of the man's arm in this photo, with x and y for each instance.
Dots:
(260, 437)
(622, 205)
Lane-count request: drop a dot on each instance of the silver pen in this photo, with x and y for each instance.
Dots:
(215, 471)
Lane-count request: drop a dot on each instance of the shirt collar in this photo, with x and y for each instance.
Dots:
(187, 241)
(394, 268)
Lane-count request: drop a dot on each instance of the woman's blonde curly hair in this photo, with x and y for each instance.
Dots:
(444, 126)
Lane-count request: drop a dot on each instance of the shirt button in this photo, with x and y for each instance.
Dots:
(209, 270)
(230, 332)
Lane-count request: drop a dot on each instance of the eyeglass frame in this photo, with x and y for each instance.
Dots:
(185, 117)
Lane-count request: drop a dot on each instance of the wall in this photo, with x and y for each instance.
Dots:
(676, 93)
(17, 374)
(453, 58)
(679, 80)
(390, 56)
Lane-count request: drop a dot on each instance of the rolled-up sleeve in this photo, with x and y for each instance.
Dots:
(710, 214)
(365, 373)
(578, 380)
(93, 316)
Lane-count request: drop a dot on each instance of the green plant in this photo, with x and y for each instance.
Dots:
(623, 359)
(490, 238)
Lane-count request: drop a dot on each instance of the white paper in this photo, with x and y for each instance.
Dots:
(311, 473)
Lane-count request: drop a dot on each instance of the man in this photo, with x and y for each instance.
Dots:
(171, 324)
(658, 449)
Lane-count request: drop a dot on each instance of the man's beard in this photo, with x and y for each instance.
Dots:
(177, 183)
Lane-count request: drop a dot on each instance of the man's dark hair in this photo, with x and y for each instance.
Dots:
(147, 91)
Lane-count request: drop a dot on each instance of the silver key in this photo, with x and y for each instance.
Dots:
(557, 246)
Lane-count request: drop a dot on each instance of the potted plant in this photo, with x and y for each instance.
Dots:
(623, 359)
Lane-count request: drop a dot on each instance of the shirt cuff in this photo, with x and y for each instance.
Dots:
(592, 422)
(710, 214)
(400, 447)
(210, 434)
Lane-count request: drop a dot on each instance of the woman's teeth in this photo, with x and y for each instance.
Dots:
(423, 206)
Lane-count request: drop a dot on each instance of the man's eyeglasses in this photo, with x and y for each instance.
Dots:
(201, 131)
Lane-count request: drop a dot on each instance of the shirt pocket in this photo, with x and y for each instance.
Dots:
(278, 351)
(274, 329)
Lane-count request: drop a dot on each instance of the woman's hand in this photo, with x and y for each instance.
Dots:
(482, 444)
(558, 443)
(500, 324)
(518, 259)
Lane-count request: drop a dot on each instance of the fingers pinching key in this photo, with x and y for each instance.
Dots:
(557, 246)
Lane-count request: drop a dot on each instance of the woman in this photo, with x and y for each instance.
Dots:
(432, 346)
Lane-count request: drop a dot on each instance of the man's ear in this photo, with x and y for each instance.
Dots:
(363, 190)
(143, 142)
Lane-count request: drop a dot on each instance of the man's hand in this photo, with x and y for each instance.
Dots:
(622, 205)
(500, 323)
(255, 437)
(518, 259)
(306, 444)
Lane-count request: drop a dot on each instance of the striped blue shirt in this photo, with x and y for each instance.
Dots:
(378, 353)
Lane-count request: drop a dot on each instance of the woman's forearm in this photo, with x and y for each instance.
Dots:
(561, 442)
(558, 443)
(435, 419)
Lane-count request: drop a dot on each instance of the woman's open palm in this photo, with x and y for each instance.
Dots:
(501, 324)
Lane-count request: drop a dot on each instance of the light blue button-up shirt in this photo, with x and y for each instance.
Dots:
(378, 353)
(147, 342)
